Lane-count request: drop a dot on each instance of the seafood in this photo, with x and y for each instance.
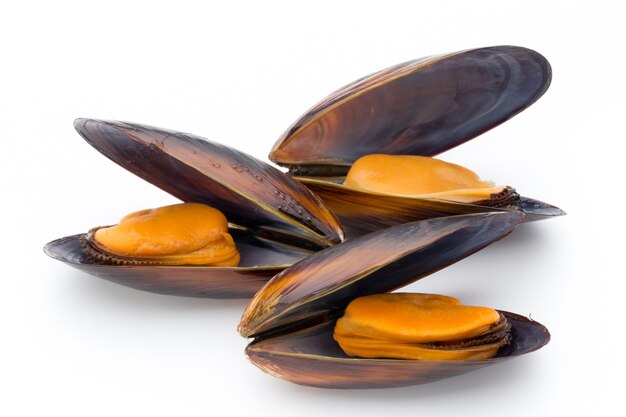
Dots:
(180, 234)
(420, 327)
(274, 220)
(424, 177)
(292, 318)
(421, 107)
(309, 230)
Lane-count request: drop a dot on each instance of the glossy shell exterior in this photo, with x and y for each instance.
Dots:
(325, 282)
(251, 193)
(311, 357)
(260, 260)
(421, 107)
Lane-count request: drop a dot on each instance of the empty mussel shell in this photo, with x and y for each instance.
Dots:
(292, 316)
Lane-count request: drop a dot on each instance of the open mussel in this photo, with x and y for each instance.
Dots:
(293, 318)
(422, 107)
(311, 357)
(274, 220)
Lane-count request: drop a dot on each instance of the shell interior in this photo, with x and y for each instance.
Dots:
(311, 357)
(260, 260)
(361, 212)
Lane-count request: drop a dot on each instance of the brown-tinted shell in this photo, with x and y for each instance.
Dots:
(260, 260)
(421, 107)
(311, 357)
(250, 192)
(361, 212)
(278, 220)
(292, 316)
(382, 261)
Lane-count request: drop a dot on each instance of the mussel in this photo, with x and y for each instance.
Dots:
(422, 107)
(293, 316)
(274, 220)
(416, 109)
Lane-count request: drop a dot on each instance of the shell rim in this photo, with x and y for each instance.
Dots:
(332, 184)
(48, 251)
(397, 362)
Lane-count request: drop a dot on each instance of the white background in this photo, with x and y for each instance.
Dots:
(74, 345)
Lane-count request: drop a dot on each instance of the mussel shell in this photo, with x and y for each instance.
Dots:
(421, 107)
(361, 212)
(538, 210)
(251, 193)
(324, 283)
(311, 357)
(260, 260)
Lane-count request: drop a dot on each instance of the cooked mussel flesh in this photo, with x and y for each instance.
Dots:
(423, 177)
(420, 327)
(180, 234)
